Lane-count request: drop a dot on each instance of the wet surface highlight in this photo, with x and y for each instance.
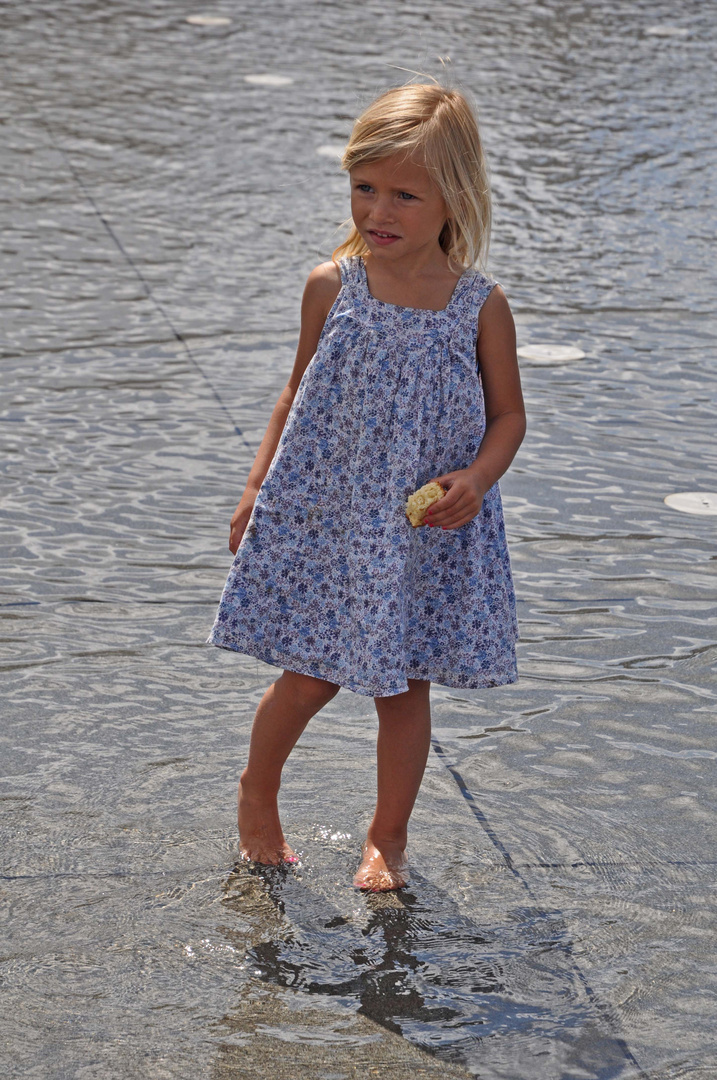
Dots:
(162, 213)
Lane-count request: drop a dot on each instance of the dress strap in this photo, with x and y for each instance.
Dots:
(470, 294)
(350, 267)
(475, 288)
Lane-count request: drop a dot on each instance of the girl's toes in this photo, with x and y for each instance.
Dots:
(288, 855)
(259, 855)
(376, 875)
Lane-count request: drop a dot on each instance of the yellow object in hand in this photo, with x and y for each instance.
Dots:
(418, 503)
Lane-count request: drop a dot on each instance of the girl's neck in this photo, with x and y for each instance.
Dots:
(426, 283)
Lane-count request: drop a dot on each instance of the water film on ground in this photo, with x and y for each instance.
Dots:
(169, 178)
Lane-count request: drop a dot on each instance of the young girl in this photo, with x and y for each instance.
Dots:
(405, 373)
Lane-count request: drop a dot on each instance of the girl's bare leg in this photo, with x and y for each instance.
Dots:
(404, 739)
(283, 713)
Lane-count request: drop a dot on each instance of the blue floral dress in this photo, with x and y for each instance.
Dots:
(330, 578)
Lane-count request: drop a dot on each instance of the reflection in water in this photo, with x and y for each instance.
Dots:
(412, 963)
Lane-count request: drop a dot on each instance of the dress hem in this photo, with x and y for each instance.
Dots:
(301, 667)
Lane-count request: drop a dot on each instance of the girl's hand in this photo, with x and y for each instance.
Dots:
(462, 501)
(240, 518)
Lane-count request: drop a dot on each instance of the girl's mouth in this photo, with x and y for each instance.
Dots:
(382, 238)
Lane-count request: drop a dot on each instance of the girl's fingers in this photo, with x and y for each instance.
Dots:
(443, 509)
(438, 517)
(457, 507)
(454, 516)
(451, 521)
(453, 493)
(447, 500)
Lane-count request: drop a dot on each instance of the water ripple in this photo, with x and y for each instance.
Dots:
(160, 213)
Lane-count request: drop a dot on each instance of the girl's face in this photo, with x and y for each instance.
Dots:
(397, 208)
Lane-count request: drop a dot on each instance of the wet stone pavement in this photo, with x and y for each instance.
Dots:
(159, 215)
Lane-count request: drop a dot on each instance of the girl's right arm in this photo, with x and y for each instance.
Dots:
(322, 288)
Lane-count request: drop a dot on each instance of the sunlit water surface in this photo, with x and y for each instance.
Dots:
(166, 188)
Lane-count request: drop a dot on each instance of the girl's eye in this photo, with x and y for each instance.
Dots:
(406, 196)
(363, 187)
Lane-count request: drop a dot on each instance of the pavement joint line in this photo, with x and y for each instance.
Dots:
(619, 865)
(480, 816)
(119, 600)
(575, 600)
(143, 343)
(604, 1010)
(140, 276)
(108, 875)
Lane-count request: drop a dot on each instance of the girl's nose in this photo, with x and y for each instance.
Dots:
(383, 211)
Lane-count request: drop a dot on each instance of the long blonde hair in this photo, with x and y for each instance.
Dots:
(440, 125)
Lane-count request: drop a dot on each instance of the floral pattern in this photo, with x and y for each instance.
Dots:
(330, 579)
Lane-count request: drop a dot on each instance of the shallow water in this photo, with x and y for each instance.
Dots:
(159, 215)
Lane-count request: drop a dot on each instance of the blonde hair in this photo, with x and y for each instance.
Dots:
(440, 125)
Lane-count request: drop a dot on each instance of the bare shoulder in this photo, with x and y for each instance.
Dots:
(495, 311)
(322, 287)
(497, 356)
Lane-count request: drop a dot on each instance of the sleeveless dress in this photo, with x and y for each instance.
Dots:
(330, 578)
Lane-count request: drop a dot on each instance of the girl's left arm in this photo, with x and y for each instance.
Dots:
(505, 418)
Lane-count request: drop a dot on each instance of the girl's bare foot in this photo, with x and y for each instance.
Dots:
(382, 871)
(261, 838)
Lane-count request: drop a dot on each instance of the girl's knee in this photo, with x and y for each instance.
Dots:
(309, 690)
(416, 701)
(417, 690)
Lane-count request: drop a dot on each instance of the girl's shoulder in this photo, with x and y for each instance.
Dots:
(322, 287)
(495, 306)
(326, 276)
